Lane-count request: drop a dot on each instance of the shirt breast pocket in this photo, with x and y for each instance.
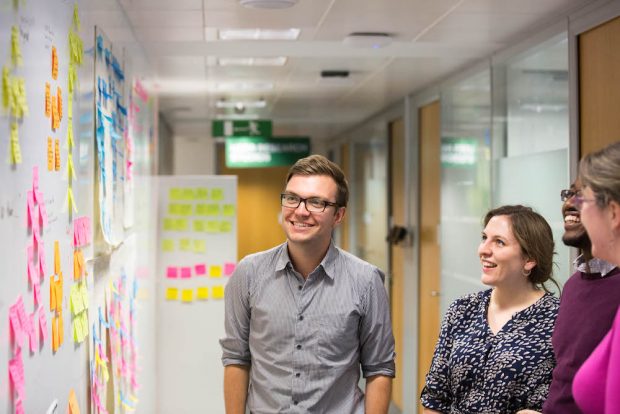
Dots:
(338, 336)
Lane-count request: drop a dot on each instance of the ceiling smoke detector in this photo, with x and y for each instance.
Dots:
(371, 40)
(268, 4)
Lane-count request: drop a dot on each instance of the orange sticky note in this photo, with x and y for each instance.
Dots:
(52, 294)
(57, 155)
(58, 293)
(56, 257)
(74, 408)
(59, 103)
(53, 113)
(54, 63)
(61, 331)
(50, 154)
(48, 100)
(218, 292)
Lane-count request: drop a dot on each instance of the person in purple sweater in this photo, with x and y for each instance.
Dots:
(587, 307)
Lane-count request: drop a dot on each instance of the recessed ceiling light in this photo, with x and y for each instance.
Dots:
(243, 86)
(261, 103)
(372, 40)
(259, 34)
(237, 116)
(268, 4)
(252, 61)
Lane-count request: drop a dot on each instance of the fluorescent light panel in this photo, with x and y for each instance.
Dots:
(246, 104)
(252, 61)
(259, 34)
(243, 86)
(237, 116)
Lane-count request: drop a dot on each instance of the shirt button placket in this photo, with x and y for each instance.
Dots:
(299, 351)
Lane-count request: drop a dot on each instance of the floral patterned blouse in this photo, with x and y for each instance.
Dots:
(476, 371)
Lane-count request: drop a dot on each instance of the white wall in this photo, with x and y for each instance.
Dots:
(194, 155)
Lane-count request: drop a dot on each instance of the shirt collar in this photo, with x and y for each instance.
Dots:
(596, 265)
(328, 264)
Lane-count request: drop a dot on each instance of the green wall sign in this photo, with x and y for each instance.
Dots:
(458, 152)
(258, 128)
(251, 152)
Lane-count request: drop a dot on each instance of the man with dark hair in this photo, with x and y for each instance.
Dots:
(587, 308)
(303, 317)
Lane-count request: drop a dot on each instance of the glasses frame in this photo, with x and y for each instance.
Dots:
(579, 200)
(303, 200)
(567, 194)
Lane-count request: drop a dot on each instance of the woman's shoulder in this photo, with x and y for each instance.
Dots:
(470, 302)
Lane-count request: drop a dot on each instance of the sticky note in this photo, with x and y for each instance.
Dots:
(173, 209)
(185, 245)
(217, 292)
(84, 293)
(36, 288)
(187, 295)
(201, 209)
(59, 103)
(201, 194)
(167, 245)
(175, 194)
(169, 224)
(16, 152)
(171, 272)
(5, 87)
(225, 226)
(181, 224)
(186, 272)
(70, 169)
(200, 246)
(61, 329)
(202, 293)
(201, 269)
(52, 295)
(199, 225)
(217, 194)
(188, 194)
(73, 404)
(76, 300)
(16, 53)
(16, 374)
(185, 209)
(57, 154)
(32, 334)
(16, 325)
(48, 100)
(54, 63)
(228, 210)
(213, 209)
(229, 268)
(42, 263)
(215, 271)
(213, 226)
(172, 293)
(50, 154)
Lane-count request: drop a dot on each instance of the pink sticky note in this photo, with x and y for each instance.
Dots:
(41, 259)
(19, 407)
(30, 209)
(37, 292)
(16, 373)
(229, 268)
(171, 272)
(21, 312)
(43, 323)
(186, 272)
(15, 325)
(201, 269)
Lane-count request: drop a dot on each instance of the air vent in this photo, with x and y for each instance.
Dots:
(334, 73)
(268, 4)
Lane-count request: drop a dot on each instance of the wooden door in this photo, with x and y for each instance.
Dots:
(397, 212)
(599, 86)
(258, 205)
(430, 261)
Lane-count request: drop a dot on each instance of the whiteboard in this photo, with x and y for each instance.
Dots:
(197, 229)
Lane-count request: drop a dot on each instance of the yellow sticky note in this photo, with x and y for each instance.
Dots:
(54, 63)
(185, 245)
(172, 293)
(201, 209)
(16, 53)
(202, 293)
(225, 226)
(70, 169)
(175, 194)
(217, 194)
(199, 225)
(170, 224)
(6, 87)
(200, 246)
(16, 152)
(71, 200)
(202, 194)
(167, 245)
(181, 224)
(215, 271)
(186, 209)
(84, 294)
(188, 194)
(173, 208)
(213, 226)
(213, 209)
(76, 17)
(228, 210)
(217, 292)
(187, 295)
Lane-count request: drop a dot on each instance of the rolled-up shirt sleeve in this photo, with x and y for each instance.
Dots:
(437, 393)
(376, 337)
(235, 345)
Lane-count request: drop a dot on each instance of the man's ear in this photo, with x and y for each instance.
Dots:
(614, 215)
(339, 215)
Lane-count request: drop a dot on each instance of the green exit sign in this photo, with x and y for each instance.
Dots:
(258, 128)
(251, 152)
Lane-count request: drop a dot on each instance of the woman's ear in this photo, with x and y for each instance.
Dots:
(530, 264)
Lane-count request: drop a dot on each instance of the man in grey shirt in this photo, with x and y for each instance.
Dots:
(302, 318)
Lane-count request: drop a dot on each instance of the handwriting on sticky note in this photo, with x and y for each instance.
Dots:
(217, 292)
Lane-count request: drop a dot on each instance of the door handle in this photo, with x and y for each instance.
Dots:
(435, 293)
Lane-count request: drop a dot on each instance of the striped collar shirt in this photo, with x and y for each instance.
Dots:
(306, 340)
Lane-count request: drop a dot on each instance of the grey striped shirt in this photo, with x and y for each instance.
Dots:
(306, 340)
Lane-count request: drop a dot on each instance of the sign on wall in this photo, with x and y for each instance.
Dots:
(258, 128)
(251, 152)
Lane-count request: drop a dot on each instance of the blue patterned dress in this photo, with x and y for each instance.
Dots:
(476, 371)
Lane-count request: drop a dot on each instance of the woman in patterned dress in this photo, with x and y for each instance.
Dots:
(494, 351)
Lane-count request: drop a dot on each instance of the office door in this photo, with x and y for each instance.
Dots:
(430, 259)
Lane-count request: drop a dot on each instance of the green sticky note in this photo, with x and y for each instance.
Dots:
(76, 300)
(185, 245)
(84, 294)
(213, 226)
(228, 209)
(188, 194)
(181, 225)
(175, 194)
(169, 224)
(167, 245)
(213, 209)
(225, 226)
(199, 225)
(200, 246)
(217, 194)
(202, 194)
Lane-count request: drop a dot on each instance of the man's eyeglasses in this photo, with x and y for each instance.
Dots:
(566, 194)
(312, 204)
(577, 197)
